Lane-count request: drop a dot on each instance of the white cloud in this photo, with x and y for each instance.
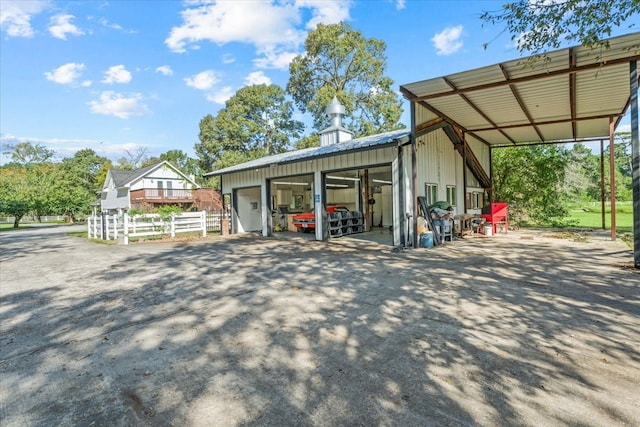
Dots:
(448, 40)
(65, 74)
(165, 70)
(15, 16)
(400, 4)
(105, 23)
(624, 128)
(60, 26)
(116, 74)
(325, 12)
(273, 59)
(272, 27)
(65, 148)
(228, 58)
(221, 96)
(257, 78)
(259, 23)
(115, 104)
(204, 80)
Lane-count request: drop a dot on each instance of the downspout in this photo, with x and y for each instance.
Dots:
(401, 205)
(635, 162)
(414, 181)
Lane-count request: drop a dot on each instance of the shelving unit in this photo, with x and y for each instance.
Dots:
(345, 223)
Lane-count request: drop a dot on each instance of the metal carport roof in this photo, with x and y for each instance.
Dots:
(569, 95)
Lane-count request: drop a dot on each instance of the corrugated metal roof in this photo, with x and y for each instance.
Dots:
(364, 143)
(569, 95)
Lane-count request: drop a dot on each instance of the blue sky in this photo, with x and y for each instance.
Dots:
(119, 75)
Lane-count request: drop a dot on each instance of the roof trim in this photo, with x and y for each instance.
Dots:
(373, 142)
(137, 174)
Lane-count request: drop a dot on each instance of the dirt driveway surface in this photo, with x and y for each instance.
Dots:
(515, 330)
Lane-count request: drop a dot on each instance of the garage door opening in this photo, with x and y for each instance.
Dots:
(290, 196)
(360, 204)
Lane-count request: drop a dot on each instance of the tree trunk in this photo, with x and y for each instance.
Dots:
(16, 221)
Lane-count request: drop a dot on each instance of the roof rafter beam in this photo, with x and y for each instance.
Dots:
(549, 122)
(575, 69)
(564, 141)
(522, 105)
(430, 126)
(452, 122)
(476, 108)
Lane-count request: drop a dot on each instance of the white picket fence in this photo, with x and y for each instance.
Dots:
(145, 225)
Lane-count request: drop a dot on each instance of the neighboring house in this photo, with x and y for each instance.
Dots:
(153, 186)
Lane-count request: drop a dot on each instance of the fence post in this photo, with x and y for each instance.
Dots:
(95, 226)
(126, 228)
(104, 227)
(88, 227)
(115, 226)
(224, 224)
(204, 223)
(173, 226)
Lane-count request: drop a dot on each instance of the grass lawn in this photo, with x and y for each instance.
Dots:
(624, 220)
(26, 225)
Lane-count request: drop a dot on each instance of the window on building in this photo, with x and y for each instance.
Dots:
(431, 192)
(475, 200)
(451, 195)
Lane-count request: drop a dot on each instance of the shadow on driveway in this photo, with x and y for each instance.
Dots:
(255, 331)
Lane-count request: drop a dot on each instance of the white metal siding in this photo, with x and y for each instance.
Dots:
(344, 161)
(438, 163)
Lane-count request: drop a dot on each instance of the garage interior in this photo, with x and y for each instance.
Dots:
(365, 192)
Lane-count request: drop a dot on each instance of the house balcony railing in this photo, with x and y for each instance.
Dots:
(161, 195)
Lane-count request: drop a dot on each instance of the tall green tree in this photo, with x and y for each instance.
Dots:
(182, 161)
(531, 180)
(15, 192)
(27, 183)
(26, 153)
(79, 181)
(339, 61)
(540, 25)
(133, 159)
(582, 176)
(257, 121)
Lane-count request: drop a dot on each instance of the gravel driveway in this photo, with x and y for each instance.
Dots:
(522, 329)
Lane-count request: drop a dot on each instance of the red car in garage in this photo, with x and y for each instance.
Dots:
(306, 222)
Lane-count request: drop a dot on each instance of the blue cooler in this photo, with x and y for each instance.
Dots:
(426, 239)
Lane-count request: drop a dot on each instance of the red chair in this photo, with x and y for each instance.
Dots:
(496, 213)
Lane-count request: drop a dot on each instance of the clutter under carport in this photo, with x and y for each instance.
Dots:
(436, 222)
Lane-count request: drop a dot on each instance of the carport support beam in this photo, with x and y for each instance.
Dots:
(603, 194)
(612, 177)
(318, 203)
(635, 161)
